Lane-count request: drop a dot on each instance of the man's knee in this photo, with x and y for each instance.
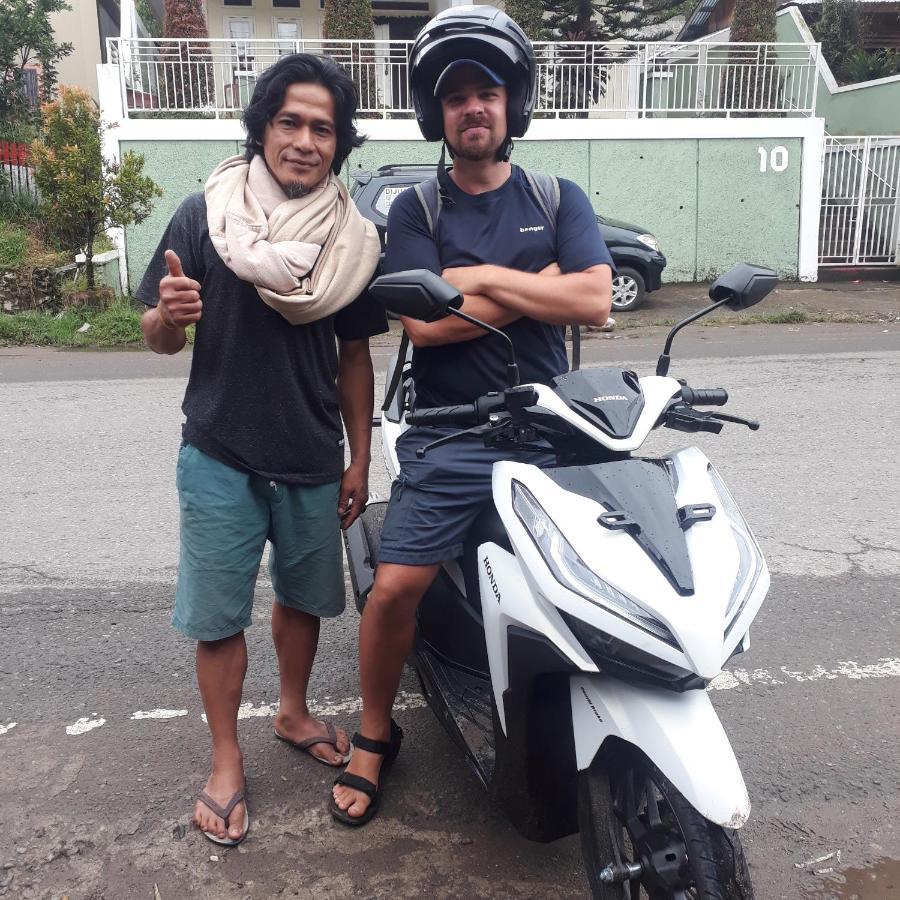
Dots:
(398, 590)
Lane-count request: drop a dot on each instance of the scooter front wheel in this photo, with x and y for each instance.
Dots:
(641, 840)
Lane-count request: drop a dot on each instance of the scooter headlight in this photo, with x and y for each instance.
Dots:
(571, 571)
(750, 563)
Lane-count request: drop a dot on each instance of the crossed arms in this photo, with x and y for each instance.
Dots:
(499, 296)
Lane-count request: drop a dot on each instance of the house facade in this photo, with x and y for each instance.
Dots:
(295, 20)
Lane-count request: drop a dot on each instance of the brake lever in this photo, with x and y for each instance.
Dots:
(681, 420)
(449, 438)
(752, 424)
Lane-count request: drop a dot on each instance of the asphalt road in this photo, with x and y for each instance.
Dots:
(101, 741)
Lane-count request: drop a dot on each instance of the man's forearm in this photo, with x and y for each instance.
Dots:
(356, 389)
(582, 298)
(159, 337)
(453, 330)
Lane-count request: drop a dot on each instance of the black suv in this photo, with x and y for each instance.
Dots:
(635, 252)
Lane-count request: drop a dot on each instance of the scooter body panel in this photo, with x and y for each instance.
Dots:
(679, 732)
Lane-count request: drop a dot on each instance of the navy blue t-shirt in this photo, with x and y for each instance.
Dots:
(505, 227)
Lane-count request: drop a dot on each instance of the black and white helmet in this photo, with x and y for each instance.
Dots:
(483, 35)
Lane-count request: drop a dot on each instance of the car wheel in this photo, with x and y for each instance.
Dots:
(628, 291)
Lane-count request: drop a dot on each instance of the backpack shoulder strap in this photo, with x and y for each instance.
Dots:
(546, 191)
(430, 197)
(397, 374)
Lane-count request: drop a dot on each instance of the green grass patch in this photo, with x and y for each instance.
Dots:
(780, 317)
(116, 326)
(22, 245)
(13, 245)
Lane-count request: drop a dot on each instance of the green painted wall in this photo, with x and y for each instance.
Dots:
(180, 168)
(870, 110)
(744, 214)
(704, 199)
(651, 184)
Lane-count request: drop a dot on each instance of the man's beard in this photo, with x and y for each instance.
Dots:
(295, 189)
(474, 154)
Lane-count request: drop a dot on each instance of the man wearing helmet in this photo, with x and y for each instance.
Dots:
(520, 269)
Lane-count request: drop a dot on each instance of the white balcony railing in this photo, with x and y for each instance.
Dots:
(577, 79)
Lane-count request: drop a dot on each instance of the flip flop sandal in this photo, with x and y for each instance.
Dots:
(223, 812)
(329, 738)
(387, 749)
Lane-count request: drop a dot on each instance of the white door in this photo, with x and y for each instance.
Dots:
(240, 30)
(286, 33)
(239, 84)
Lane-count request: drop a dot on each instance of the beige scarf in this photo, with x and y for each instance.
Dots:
(308, 257)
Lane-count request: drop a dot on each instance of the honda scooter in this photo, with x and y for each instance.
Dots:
(568, 651)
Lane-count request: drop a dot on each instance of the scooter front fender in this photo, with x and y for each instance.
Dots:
(679, 732)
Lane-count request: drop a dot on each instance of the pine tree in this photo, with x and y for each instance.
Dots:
(184, 19)
(747, 84)
(351, 20)
(187, 73)
(754, 21)
(840, 29)
(609, 20)
(529, 15)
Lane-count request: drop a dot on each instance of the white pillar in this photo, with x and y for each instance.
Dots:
(112, 113)
(811, 200)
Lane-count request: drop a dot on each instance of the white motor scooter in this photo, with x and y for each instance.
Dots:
(568, 651)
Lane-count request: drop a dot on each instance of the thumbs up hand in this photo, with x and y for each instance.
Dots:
(179, 296)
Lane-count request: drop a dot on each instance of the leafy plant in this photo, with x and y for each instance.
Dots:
(83, 193)
(26, 36)
(863, 66)
(148, 16)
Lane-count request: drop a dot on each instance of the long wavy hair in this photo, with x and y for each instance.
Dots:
(268, 98)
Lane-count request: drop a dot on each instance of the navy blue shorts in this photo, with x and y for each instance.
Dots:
(436, 499)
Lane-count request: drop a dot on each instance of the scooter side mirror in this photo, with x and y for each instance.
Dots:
(417, 293)
(743, 286)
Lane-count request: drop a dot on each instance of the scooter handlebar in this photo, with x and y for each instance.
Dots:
(464, 415)
(704, 396)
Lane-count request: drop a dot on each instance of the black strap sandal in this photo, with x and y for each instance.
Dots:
(387, 749)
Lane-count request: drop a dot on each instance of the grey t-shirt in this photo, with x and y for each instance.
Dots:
(262, 395)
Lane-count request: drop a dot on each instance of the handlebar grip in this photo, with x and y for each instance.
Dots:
(704, 396)
(464, 415)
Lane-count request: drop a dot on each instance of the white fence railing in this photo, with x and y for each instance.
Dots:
(575, 79)
(860, 220)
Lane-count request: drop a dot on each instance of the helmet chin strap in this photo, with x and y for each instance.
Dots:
(443, 178)
(504, 153)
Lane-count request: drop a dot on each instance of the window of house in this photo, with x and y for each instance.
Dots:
(239, 30)
(286, 32)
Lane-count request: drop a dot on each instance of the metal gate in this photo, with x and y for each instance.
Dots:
(860, 220)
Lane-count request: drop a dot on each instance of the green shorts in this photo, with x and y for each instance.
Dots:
(226, 518)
